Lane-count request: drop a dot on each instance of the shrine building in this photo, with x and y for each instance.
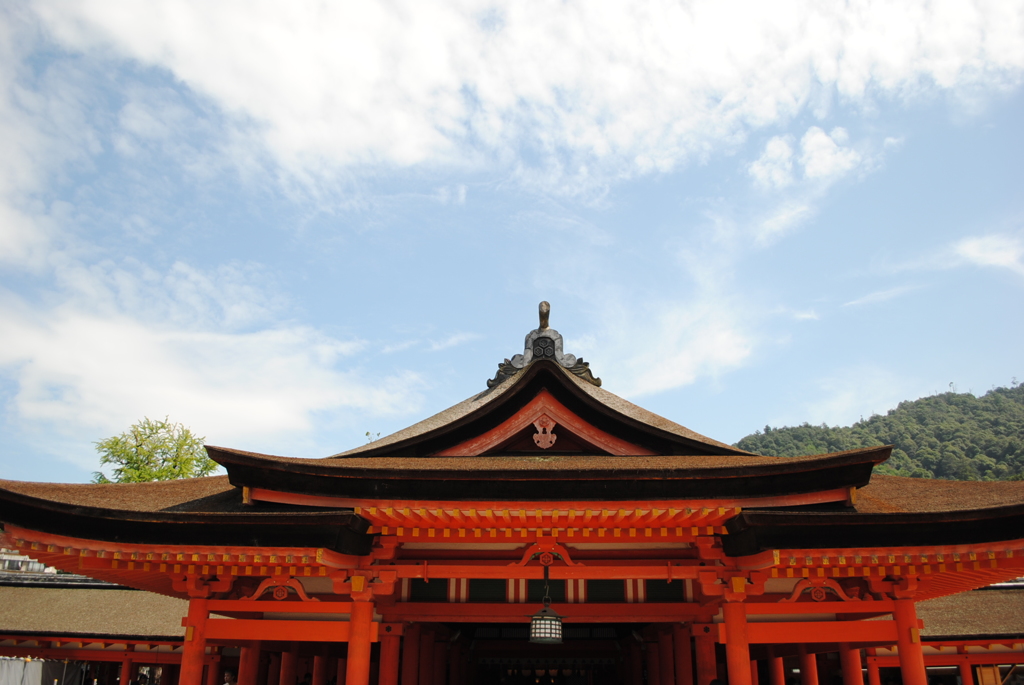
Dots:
(542, 531)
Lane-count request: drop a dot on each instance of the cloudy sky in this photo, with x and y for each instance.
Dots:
(288, 224)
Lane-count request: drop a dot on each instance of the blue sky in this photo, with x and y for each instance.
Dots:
(288, 226)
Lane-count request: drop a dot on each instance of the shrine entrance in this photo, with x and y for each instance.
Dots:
(589, 655)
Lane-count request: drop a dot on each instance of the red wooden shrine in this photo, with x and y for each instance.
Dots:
(420, 558)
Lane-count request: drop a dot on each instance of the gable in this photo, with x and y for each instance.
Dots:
(544, 425)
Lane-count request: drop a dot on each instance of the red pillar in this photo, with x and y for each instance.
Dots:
(909, 643)
(426, 657)
(125, 676)
(194, 652)
(455, 661)
(411, 654)
(849, 657)
(777, 670)
(274, 669)
(388, 660)
(874, 677)
(707, 660)
(966, 673)
(290, 665)
(808, 667)
(636, 663)
(666, 665)
(440, 663)
(342, 670)
(249, 664)
(653, 664)
(754, 678)
(684, 654)
(319, 670)
(359, 642)
(213, 673)
(737, 645)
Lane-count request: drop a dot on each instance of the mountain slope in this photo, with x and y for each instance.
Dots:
(951, 435)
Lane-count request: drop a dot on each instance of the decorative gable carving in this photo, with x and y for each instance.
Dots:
(551, 421)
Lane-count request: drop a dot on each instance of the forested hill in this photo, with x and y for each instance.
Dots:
(952, 435)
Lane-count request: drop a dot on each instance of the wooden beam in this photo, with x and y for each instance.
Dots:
(291, 631)
(92, 655)
(273, 606)
(817, 631)
(997, 658)
(520, 613)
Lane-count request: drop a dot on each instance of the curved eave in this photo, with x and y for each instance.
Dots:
(420, 478)
(343, 532)
(756, 531)
(522, 388)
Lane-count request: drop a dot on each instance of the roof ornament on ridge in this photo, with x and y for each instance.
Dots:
(543, 342)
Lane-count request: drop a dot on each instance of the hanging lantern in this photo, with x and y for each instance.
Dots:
(546, 627)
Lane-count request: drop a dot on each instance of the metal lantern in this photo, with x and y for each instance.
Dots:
(546, 627)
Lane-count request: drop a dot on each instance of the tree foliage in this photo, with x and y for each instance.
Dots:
(154, 450)
(954, 436)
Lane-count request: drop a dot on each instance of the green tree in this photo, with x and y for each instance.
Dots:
(154, 450)
(949, 435)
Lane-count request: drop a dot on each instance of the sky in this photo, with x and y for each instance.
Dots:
(287, 225)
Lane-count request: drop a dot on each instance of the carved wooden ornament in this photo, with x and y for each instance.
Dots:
(544, 437)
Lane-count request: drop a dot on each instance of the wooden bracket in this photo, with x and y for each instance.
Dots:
(281, 589)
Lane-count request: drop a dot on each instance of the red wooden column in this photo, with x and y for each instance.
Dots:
(653, 664)
(125, 677)
(737, 644)
(359, 642)
(966, 671)
(411, 654)
(426, 657)
(290, 665)
(213, 673)
(908, 640)
(249, 664)
(808, 667)
(707, 661)
(455, 661)
(194, 652)
(666, 665)
(319, 670)
(274, 669)
(342, 670)
(776, 670)
(684, 654)
(440, 663)
(636, 663)
(388, 660)
(754, 677)
(874, 677)
(850, 660)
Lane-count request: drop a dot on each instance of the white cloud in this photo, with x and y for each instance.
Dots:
(853, 393)
(823, 155)
(682, 342)
(577, 92)
(454, 340)
(785, 219)
(1002, 251)
(774, 169)
(881, 296)
(999, 250)
(124, 343)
